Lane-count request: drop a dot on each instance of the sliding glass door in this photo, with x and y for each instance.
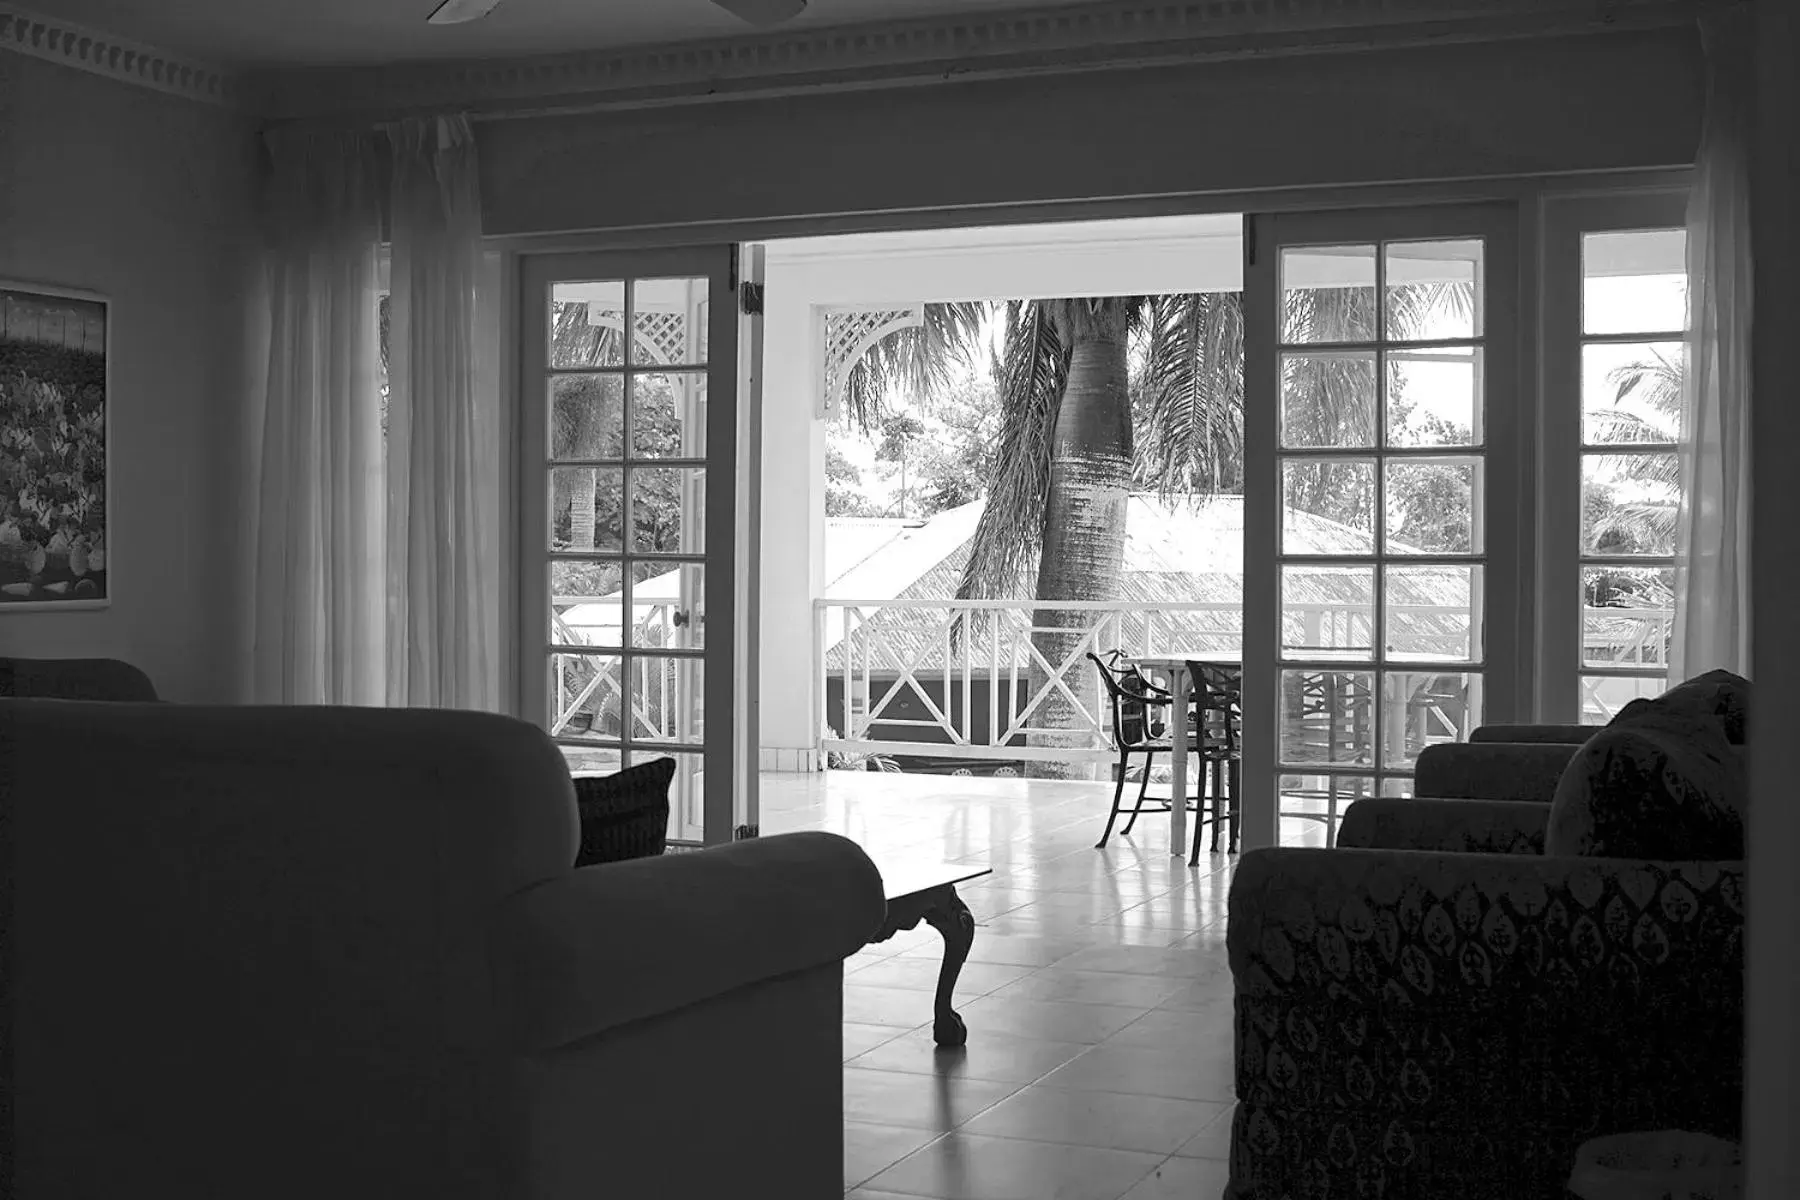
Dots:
(629, 384)
(1382, 544)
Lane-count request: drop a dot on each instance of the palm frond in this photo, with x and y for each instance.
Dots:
(1412, 307)
(1004, 550)
(1643, 525)
(920, 361)
(1190, 404)
(1615, 426)
(1654, 382)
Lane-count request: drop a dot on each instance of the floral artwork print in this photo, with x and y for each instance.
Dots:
(53, 398)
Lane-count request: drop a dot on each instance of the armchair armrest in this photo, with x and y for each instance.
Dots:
(1461, 826)
(615, 943)
(1468, 1020)
(1492, 770)
(1572, 734)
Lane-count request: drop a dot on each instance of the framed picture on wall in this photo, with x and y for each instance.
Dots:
(55, 394)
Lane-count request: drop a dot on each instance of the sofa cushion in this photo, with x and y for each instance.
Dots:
(1660, 788)
(625, 815)
(1719, 694)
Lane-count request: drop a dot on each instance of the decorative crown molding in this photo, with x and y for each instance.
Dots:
(72, 45)
(1108, 35)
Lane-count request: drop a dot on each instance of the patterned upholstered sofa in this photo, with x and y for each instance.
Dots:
(1439, 1009)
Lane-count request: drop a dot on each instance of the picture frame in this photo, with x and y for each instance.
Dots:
(55, 448)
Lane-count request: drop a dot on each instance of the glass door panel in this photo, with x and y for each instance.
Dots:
(1379, 402)
(1615, 345)
(616, 591)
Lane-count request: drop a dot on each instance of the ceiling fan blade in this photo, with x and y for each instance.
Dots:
(455, 12)
(763, 12)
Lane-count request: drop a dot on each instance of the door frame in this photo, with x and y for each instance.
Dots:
(1504, 542)
(1528, 192)
(718, 264)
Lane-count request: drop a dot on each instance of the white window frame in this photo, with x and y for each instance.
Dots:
(1503, 547)
(1560, 668)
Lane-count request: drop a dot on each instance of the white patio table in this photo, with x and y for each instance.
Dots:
(1175, 667)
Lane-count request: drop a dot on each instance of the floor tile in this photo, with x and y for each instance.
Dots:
(1090, 1023)
(1183, 1179)
(1212, 1142)
(871, 1149)
(1191, 1031)
(1013, 949)
(988, 1055)
(921, 974)
(902, 1007)
(935, 1102)
(1141, 960)
(1151, 1124)
(966, 1167)
(1149, 1072)
(860, 1039)
(1091, 987)
(1203, 995)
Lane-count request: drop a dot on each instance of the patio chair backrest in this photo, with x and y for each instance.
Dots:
(1133, 699)
(1218, 691)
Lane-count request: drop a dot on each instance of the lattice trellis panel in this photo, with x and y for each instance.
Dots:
(662, 337)
(849, 334)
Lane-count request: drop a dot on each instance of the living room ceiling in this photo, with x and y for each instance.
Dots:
(250, 34)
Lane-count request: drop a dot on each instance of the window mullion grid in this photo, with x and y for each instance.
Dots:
(1378, 634)
(628, 527)
(1583, 670)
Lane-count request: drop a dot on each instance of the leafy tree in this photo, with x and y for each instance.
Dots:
(897, 435)
(843, 486)
(956, 460)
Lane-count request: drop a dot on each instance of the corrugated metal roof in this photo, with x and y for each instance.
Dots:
(1175, 552)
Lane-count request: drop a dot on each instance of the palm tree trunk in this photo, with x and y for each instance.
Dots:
(581, 511)
(1084, 517)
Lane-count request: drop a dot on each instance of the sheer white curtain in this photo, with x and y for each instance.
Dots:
(318, 625)
(443, 498)
(1712, 576)
(377, 566)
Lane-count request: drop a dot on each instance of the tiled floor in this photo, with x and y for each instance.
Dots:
(1097, 996)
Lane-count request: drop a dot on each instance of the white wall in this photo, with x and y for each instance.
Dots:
(145, 198)
(1445, 112)
(1772, 1051)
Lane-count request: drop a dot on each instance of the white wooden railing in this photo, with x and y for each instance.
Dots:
(584, 687)
(935, 656)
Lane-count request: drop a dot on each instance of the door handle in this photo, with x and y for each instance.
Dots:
(682, 617)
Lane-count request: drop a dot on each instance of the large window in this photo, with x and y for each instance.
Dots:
(1608, 457)
(1633, 321)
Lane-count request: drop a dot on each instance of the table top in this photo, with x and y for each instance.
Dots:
(907, 877)
(1170, 662)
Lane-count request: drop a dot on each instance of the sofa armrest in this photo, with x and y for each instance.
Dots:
(1470, 1019)
(75, 679)
(1460, 826)
(618, 942)
(1572, 734)
(1492, 770)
